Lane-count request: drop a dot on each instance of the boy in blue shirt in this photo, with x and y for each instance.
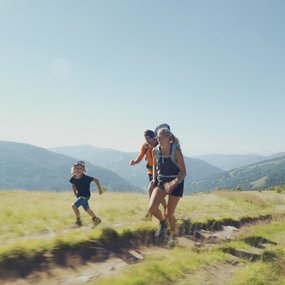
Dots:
(81, 189)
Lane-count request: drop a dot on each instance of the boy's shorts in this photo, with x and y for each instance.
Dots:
(82, 201)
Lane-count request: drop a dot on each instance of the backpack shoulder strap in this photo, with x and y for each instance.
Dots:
(157, 152)
(174, 147)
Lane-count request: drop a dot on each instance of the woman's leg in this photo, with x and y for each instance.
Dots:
(171, 206)
(163, 202)
(164, 205)
(156, 198)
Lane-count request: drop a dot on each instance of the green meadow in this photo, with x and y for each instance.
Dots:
(37, 224)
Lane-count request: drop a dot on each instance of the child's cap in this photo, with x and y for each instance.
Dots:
(149, 133)
(79, 162)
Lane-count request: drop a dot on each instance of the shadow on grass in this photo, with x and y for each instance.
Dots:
(258, 241)
(267, 256)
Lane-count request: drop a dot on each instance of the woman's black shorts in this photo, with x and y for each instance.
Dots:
(177, 191)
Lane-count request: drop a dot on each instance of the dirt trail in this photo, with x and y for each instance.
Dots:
(76, 275)
(52, 234)
(218, 274)
(77, 272)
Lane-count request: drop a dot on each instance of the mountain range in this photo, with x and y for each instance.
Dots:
(119, 162)
(24, 166)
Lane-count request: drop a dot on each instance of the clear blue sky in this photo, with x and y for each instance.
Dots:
(101, 72)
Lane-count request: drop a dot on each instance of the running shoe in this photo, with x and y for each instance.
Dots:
(96, 221)
(78, 222)
(162, 228)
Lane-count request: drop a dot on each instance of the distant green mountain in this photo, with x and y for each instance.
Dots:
(119, 162)
(259, 175)
(116, 161)
(231, 161)
(24, 166)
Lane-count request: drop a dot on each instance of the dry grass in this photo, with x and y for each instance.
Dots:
(39, 221)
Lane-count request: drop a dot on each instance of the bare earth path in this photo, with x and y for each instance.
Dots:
(77, 274)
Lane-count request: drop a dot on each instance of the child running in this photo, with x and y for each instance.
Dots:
(81, 189)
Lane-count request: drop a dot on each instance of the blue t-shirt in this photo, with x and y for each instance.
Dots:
(82, 185)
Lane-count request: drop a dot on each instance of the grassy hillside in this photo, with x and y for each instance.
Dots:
(25, 166)
(231, 161)
(36, 225)
(255, 176)
(50, 212)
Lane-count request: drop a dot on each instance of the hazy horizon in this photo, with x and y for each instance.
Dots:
(185, 152)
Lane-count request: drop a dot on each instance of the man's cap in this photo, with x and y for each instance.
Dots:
(162, 126)
(79, 162)
(149, 133)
